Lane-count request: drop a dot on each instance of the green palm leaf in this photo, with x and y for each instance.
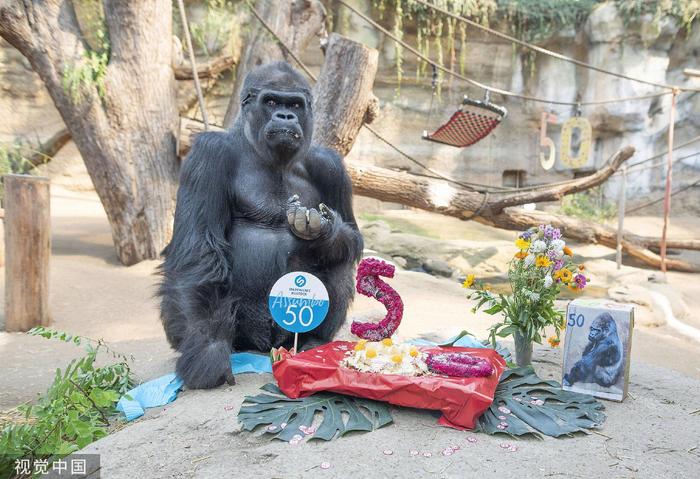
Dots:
(562, 414)
(341, 414)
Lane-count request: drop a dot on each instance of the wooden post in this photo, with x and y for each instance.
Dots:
(621, 215)
(27, 251)
(669, 170)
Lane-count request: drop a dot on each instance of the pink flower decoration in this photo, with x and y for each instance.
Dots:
(458, 364)
(369, 284)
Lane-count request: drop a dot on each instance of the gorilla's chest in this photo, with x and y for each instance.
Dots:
(261, 197)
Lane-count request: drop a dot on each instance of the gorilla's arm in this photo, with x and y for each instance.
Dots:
(342, 241)
(196, 304)
(203, 213)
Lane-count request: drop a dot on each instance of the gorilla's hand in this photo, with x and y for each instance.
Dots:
(309, 223)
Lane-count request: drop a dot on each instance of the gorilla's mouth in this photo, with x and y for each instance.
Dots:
(283, 133)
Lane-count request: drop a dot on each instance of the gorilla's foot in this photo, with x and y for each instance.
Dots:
(205, 367)
(308, 223)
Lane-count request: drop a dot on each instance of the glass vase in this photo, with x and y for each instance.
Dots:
(523, 349)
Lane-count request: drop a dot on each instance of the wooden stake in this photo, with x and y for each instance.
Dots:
(621, 215)
(27, 252)
(669, 170)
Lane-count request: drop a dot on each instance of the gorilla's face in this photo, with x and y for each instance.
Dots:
(600, 328)
(276, 104)
(284, 115)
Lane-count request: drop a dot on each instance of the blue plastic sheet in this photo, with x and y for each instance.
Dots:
(163, 390)
(463, 340)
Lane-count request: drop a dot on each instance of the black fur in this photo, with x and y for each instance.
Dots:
(231, 240)
(602, 360)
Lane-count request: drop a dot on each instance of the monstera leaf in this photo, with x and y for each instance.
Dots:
(534, 406)
(285, 418)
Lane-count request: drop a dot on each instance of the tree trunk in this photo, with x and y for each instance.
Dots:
(296, 22)
(126, 136)
(343, 98)
(28, 243)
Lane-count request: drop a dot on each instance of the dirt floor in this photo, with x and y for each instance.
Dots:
(654, 433)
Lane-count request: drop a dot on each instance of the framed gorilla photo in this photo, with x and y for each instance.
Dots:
(597, 348)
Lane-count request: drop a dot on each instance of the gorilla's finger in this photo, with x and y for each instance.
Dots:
(293, 199)
(300, 219)
(326, 211)
(314, 220)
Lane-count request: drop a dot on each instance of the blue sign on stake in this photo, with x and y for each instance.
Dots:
(298, 302)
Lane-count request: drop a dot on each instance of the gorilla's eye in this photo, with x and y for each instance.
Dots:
(296, 105)
(271, 102)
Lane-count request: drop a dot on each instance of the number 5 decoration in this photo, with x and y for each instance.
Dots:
(586, 133)
(547, 162)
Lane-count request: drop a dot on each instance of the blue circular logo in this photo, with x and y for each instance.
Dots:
(298, 302)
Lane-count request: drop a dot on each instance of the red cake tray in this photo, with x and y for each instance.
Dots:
(461, 400)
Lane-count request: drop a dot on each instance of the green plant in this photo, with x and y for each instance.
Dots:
(588, 205)
(91, 68)
(75, 410)
(537, 272)
(218, 30)
(285, 417)
(560, 413)
(534, 21)
(13, 160)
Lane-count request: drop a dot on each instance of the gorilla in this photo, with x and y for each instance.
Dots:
(254, 203)
(602, 360)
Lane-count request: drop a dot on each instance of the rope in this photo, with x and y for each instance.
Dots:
(659, 155)
(660, 199)
(193, 64)
(483, 86)
(548, 52)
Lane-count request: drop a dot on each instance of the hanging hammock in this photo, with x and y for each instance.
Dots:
(473, 121)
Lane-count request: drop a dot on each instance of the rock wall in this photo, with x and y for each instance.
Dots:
(637, 49)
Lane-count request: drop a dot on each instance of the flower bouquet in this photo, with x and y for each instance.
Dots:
(541, 267)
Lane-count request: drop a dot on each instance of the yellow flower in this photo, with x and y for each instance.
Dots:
(542, 261)
(573, 288)
(566, 275)
(522, 244)
(413, 352)
(567, 251)
(371, 353)
(468, 282)
(397, 358)
(360, 345)
(521, 254)
(581, 267)
(387, 342)
(553, 341)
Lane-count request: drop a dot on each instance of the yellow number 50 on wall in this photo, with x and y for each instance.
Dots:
(586, 133)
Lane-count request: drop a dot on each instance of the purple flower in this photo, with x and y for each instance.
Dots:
(552, 255)
(558, 264)
(580, 281)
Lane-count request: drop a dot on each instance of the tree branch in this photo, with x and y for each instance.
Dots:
(209, 69)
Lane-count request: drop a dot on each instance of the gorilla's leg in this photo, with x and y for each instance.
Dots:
(607, 376)
(581, 372)
(199, 323)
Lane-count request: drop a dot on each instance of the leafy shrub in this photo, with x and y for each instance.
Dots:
(75, 410)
